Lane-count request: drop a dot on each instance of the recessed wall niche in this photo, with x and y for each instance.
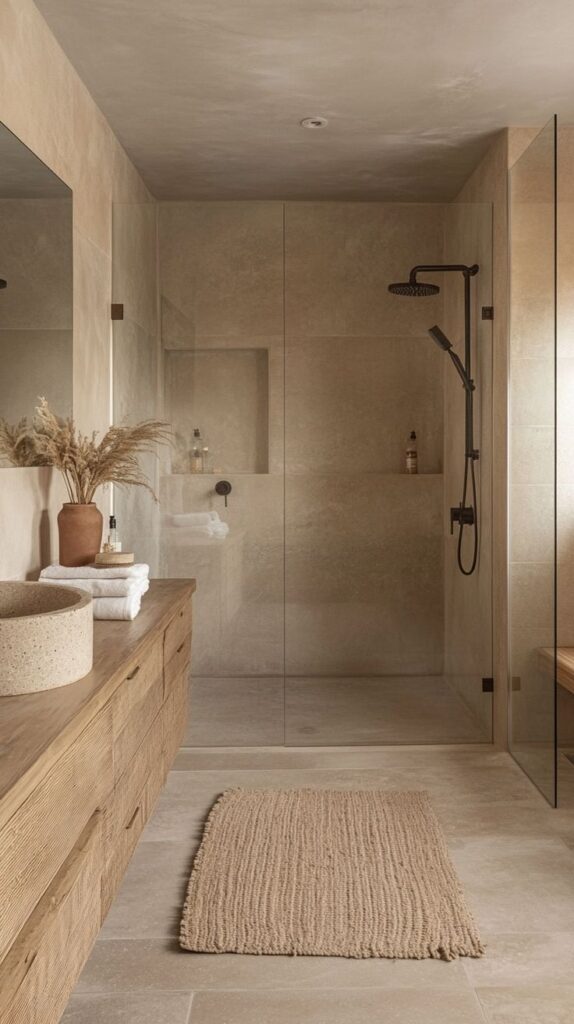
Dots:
(224, 392)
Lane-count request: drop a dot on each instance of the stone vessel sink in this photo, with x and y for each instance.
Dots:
(46, 636)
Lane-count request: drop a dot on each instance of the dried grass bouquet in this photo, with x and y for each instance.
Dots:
(84, 463)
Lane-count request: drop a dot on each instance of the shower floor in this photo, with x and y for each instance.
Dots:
(272, 711)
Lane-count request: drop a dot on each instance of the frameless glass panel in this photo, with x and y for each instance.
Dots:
(532, 447)
(221, 293)
(135, 366)
(372, 585)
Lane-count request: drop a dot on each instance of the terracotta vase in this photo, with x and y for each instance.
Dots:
(80, 531)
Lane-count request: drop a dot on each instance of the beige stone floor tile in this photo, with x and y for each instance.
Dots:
(517, 884)
(135, 1008)
(345, 1006)
(523, 959)
(543, 1004)
(188, 796)
(529, 818)
(302, 759)
(135, 965)
(150, 899)
(235, 712)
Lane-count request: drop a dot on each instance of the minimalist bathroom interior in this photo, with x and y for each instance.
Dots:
(287, 563)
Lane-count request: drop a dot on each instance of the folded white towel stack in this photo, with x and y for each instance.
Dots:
(201, 524)
(116, 592)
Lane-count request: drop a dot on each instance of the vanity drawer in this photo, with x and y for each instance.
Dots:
(175, 718)
(177, 664)
(129, 808)
(135, 705)
(41, 969)
(177, 633)
(50, 821)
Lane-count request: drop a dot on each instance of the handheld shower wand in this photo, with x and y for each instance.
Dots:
(463, 514)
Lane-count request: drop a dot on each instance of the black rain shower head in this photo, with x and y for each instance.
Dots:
(414, 288)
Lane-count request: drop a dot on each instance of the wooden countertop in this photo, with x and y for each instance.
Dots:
(564, 664)
(37, 727)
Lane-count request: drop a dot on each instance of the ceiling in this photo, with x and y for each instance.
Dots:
(206, 95)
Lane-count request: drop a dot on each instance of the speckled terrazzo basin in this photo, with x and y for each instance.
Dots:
(46, 636)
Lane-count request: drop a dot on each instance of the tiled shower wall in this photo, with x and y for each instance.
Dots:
(333, 565)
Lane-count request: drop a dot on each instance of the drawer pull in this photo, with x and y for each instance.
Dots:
(181, 646)
(133, 673)
(132, 820)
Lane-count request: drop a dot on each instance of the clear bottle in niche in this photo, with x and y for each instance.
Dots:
(197, 445)
(411, 464)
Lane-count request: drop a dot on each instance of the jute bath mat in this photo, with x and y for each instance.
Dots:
(319, 872)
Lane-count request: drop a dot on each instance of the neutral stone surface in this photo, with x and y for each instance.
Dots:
(381, 710)
(340, 258)
(505, 842)
(236, 711)
(135, 1008)
(531, 1005)
(351, 404)
(338, 1007)
(221, 265)
(46, 636)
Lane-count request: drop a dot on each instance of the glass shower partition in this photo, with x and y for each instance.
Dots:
(329, 607)
(385, 640)
(532, 460)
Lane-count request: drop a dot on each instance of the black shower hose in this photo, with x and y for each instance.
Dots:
(468, 572)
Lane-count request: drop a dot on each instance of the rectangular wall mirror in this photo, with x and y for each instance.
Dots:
(35, 285)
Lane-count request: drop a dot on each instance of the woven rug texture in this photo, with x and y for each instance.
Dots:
(319, 872)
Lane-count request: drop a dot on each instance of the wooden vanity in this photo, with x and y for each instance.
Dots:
(81, 768)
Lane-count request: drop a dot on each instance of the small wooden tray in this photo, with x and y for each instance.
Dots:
(113, 559)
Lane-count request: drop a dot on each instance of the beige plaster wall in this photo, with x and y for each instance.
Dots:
(43, 101)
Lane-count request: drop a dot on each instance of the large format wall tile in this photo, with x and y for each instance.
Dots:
(364, 586)
(341, 257)
(221, 265)
(352, 403)
(238, 626)
(134, 265)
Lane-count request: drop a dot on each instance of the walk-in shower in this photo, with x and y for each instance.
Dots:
(462, 514)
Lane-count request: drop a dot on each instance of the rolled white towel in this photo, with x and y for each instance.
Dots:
(194, 518)
(117, 607)
(106, 587)
(90, 572)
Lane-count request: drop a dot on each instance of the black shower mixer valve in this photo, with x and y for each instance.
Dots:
(463, 515)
